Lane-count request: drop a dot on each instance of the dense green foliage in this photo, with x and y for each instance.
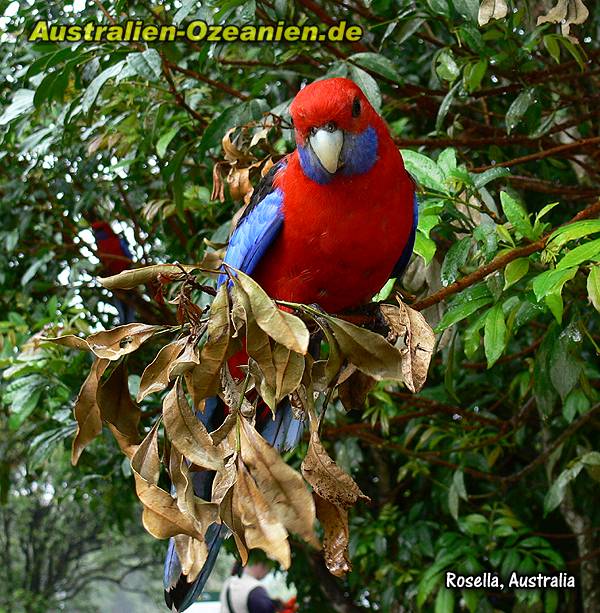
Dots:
(494, 465)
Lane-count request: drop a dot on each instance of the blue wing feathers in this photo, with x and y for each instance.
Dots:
(402, 263)
(255, 233)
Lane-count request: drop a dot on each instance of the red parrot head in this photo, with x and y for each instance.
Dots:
(337, 129)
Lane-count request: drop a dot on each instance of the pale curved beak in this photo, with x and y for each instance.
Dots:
(327, 146)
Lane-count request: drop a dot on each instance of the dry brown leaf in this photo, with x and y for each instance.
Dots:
(238, 180)
(334, 520)
(367, 350)
(218, 190)
(70, 340)
(115, 343)
(268, 164)
(282, 327)
(258, 347)
(262, 527)
(224, 480)
(204, 378)
(325, 371)
(230, 517)
(231, 151)
(128, 279)
(161, 517)
(414, 339)
(145, 461)
(567, 13)
(155, 377)
(353, 391)
(282, 486)
(181, 480)
(260, 134)
(186, 433)
(491, 9)
(289, 367)
(192, 555)
(327, 478)
(118, 409)
(187, 360)
(204, 512)
(87, 411)
(212, 259)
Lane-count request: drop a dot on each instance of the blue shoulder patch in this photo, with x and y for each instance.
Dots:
(125, 248)
(402, 263)
(254, 234)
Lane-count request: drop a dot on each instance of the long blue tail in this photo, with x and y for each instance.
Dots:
(284, 432)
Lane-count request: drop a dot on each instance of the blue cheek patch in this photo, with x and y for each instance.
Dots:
(358, 155)
(359, 152)
(312, 167)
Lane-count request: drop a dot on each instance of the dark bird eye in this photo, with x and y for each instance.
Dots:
(356, 107)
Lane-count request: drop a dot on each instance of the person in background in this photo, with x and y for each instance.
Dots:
(243, 592)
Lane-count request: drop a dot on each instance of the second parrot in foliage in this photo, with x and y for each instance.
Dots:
(115, 257)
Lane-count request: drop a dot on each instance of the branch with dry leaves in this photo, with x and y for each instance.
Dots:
(255, 493)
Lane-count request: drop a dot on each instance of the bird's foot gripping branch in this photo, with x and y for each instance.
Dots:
(298, 357)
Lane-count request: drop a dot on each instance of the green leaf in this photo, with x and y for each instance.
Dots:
(551, 601)
(425, 247)
(576, 403)
(91, 93)
(565, 367)
(518, 108)
(481, 180)
(582, 253)
(368, 85)
(377, 63)
(147, 64)
(424, 170)
(473, 74)
(573, 51)
(572, 231)
(455, 258)
(460, 312)
(446, 66)
(516, 215)
(426, 586)
(35, 266)
(552, 281)
(494, 339)
(44, 444)
(447, 161)
(515, 271)
(552, 46)
(558, 490)
(445, 106)
(444, 601)
(164, 140)
(22, 397)
(22, 102)
(593, 287)
(458, 481)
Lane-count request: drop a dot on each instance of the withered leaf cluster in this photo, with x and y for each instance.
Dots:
(259, 497)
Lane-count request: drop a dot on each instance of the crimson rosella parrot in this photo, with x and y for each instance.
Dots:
(115, 257)
(329, 224)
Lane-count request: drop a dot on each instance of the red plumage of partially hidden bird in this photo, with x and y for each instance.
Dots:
(329, 224)
(115, 257)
